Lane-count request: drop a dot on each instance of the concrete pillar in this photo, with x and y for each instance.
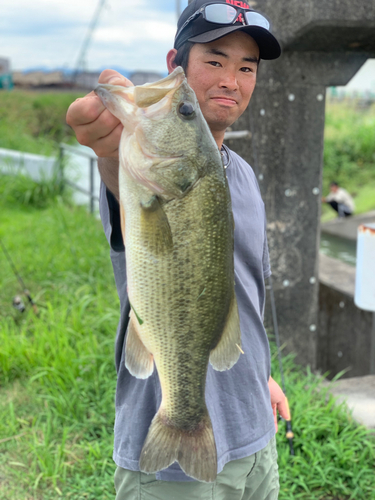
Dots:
(324, 43)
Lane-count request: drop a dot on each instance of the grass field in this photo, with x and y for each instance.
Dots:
(34, 122)
(57, 376)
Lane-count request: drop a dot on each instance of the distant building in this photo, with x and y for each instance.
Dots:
(6, 81)
(38, 78)
(87, 80)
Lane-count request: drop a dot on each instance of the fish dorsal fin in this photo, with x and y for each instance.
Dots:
(228, 350)
(138, 359)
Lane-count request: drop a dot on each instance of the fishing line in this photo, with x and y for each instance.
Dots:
(20, 280)
(288, 421)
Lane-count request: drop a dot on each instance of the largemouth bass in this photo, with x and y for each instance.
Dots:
(178, 228)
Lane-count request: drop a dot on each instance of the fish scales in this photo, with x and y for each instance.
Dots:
(178, 231)
(169, 310)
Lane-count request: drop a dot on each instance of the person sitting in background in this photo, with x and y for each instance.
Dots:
(340, 200)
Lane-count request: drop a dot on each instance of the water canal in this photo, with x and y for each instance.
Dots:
(338, 248)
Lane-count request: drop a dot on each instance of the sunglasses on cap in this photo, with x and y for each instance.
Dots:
(222, 13)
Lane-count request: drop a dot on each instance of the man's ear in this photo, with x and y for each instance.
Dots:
(171, 65)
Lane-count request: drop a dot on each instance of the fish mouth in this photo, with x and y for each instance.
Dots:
(152, 94)
(126, 102)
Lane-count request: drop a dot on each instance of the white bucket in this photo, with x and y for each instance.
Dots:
(365, 270)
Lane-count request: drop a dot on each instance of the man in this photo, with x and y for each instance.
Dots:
(340, 200)
(219, 45)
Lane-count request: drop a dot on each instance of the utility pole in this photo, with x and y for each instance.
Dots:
(81, 61)
(178, 8)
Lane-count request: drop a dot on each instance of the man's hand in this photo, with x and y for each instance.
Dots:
(278, 401)
(93, 124)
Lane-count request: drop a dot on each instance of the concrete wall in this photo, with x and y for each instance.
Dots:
(37, 166)
(344, 331)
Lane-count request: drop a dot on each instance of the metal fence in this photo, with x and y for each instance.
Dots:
(93, 159)
(91, 156)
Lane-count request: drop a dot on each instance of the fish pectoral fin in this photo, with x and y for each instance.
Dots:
(138, 359)
(155, 229)
(228, 350)
(194, 450)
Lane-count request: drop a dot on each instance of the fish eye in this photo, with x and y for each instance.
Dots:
(187, 110)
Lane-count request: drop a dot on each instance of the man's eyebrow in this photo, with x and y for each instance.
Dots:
(251, 59)
(217, 52)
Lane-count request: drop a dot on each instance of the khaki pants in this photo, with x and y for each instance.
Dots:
(251, 478)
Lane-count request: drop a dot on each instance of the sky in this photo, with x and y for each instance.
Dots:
(50, 33)
(130, 34)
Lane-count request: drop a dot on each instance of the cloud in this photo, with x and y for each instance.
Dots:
(134, 34)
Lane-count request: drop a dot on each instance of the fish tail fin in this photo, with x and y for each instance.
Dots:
(194, 450)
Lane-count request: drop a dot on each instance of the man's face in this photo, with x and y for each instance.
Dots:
(333, 188)
(222, 74)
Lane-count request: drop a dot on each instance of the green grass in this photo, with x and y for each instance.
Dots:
(22, 189)
(57, 376)
(334, 456)
(349, 154)
(34, 122)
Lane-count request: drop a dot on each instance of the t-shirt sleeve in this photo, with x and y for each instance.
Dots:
(110, 216)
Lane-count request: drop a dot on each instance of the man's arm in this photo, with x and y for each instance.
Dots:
(278, 401)
(98, 129)
(108, 169)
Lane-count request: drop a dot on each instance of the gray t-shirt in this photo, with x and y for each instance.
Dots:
(238, 399)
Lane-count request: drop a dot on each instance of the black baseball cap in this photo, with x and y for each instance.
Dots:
(201, 31)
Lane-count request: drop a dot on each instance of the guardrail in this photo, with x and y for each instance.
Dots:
(90, 155)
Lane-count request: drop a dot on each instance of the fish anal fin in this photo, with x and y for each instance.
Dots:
(155, 227)
(138, 359)
(228, 350)
(194, 450)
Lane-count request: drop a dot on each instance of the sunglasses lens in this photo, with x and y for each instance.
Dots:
(255, 19)
(220, 13)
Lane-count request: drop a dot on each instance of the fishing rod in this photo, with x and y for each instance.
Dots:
(17, 301)
(288, 421)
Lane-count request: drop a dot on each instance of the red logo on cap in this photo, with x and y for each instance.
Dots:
(239, 3)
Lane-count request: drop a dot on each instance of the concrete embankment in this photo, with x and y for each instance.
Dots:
(348, 227)
(345, 331)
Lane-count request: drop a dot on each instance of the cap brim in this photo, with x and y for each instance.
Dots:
(269, 47)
